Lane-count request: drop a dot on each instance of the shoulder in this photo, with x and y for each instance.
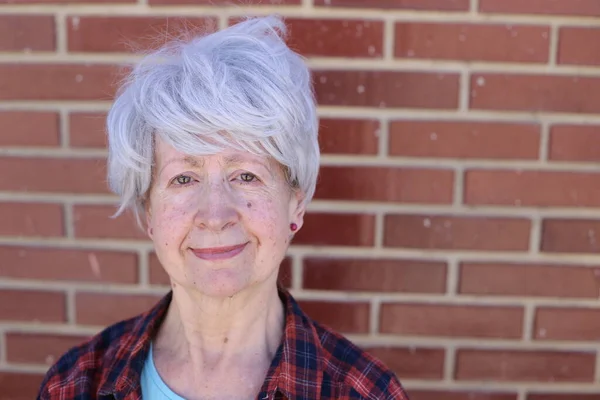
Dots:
(82, 367)
(358, 374)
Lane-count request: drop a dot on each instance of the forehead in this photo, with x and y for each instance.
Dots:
(165, 153)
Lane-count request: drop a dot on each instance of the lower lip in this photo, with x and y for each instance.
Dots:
(220, 256)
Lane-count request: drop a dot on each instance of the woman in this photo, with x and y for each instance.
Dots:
(213, 143)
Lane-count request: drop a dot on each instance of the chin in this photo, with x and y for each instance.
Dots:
(220, 283)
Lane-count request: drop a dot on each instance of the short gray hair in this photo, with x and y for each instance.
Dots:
(240, 87)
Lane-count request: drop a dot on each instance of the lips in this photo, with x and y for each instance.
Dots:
(219, 253)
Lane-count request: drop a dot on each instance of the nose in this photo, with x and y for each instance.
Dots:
(216, 207)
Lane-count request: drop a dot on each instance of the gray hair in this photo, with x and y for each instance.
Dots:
(240, 87)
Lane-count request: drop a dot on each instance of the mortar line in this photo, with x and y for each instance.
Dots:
(68, 220)
(294, 10)
(3, 347)
(528, 322)
(374, 315)
(383, 137)
(544, 140)
(474, 7)
(597, 366)
(71, 311)
(64, 128)
(535, 234)
(449, 363)
(222, 21)
(388, 39)
(452, 276)
(297, 272)
(459, 186)
(60, 21)
(553, 44)
(143, 268)
(379, 229)
(464, 94)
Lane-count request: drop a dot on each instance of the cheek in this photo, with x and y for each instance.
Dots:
(170, 217)
(269, 220)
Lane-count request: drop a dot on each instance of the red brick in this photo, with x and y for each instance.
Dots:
(337, 230)
(441, 5)
(456, 233)
(55, 175)
(32, 306)
(87, 130)
(536, 280)
(129, 33)
(570, 236)
(554, 7)
(386, 89)
(525, 366)
(464, 139)
(471, 42)
(336, 37)
(574, 143)
(375, 275)
(348, 136)
(31, 219)
(559, 93)
(227, 2)
(554, 323)
(462, 395)
(452, 320)
(57, 81)
(95, 222)
(573, 46)
(342, 317)
(68, 265)
(29, 128)
(412, 363)
(563, 396)
(532, 188)
(103, 309)
(407, 185)
(156, 272)
(19, 385)
(38, 348)
(27, 32)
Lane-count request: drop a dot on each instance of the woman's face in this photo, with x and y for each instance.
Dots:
(220, 223)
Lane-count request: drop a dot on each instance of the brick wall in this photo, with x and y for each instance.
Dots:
(455, 231)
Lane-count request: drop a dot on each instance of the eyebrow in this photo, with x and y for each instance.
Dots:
(230, 159)
(191, 161)
(240, 159)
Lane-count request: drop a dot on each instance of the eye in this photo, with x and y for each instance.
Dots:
(182, 180)
(247, 177)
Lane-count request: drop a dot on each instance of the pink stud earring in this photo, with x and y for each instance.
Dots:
(293, 227)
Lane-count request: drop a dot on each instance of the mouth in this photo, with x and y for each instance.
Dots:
(219, 253)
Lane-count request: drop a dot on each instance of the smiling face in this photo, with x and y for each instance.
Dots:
(220, 223)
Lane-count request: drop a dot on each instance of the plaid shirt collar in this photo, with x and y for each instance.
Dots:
(294, 372)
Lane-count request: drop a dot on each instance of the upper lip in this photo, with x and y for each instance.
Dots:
(216, 250)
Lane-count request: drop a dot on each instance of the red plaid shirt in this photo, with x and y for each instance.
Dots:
(312, 362)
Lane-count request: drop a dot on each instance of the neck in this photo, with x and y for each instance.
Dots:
(216, 334)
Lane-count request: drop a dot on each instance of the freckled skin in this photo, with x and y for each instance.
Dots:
(225, 199)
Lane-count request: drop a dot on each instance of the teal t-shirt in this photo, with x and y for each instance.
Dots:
(153, 387)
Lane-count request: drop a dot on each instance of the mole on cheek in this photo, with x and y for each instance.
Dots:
(249, 205)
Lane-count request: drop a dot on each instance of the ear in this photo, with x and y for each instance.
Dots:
(148, 213)
(297, 208)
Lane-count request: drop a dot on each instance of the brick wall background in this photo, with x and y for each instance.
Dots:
(455, 231)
